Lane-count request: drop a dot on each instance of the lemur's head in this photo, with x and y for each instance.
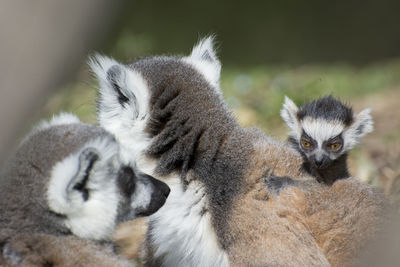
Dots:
(75, 181)
(324, 129)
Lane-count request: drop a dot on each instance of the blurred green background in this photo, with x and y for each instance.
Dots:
(303, 49)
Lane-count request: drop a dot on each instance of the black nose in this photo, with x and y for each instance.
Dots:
(160, 188)
(158, 197)
(318, 162)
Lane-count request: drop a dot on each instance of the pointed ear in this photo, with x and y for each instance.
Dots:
(204, 50)
(78, 183)
(362, 125)
(204, 59)
(122, 91)
(289, 115)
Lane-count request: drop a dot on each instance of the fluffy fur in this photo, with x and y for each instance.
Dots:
(238, 197)
(320, 124)
(65, 190)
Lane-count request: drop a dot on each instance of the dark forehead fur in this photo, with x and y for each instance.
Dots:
(328, 108)
(194, 133)
(23, 183)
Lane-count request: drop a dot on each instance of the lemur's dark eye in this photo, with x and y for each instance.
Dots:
(305, 144)
(335, 146)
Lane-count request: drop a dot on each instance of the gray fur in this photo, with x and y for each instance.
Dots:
(23, 184)
(202, 138)
(28, 210)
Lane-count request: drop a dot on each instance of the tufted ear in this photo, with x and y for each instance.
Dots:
(204, 50)
(362, 125)
(123, 91)
(289, 115)
(204, 59)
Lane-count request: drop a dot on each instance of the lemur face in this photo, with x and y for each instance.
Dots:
(324, 129)
(320, 153)
(93, 189)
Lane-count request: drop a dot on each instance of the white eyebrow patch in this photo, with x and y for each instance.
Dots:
(320, 129)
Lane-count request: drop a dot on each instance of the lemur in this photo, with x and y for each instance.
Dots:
(63, 193)
(323, 131)
(238, 197)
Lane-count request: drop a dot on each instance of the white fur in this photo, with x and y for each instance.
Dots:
(59, 119)
(289, 115)
(351, 135)
(121, 120)
(141, 198)
(94, 218)
(320, 129)
(181, 234)
(204, 59)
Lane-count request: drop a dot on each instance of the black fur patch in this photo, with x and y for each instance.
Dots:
(335, 171)
(276, 184)
(126, 181)
(360, 129)
(112, 76)
(328, 108)
(81, 186)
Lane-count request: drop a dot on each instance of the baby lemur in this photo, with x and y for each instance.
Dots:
(323, 131)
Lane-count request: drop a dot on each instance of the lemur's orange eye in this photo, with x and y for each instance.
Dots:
(335, 146)
(305, 143)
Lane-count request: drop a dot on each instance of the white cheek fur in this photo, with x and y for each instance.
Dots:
(95, 218)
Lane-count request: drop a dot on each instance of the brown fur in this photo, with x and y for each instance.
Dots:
(129, 238)
(67, 251)
(307, 224)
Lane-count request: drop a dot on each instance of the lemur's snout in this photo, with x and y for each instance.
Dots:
(158, 197)
(320, 162)
(162, 188)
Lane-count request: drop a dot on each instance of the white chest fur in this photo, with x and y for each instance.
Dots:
(182, 233)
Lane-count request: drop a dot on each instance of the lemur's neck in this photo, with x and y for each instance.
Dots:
(335, 171)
